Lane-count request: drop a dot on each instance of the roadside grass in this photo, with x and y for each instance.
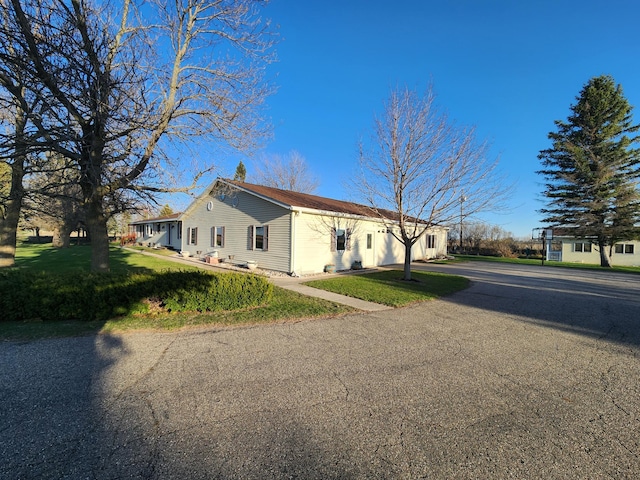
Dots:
(388, 288)
(284, 305)
(531, 261)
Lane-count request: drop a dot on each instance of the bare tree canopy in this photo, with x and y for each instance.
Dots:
(287, 172)
(115, 81)
(425, 168)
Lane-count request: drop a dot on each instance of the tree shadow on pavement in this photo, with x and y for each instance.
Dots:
(596, 304)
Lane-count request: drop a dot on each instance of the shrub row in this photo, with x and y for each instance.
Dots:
(28, 295)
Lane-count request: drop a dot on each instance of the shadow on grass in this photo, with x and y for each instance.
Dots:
(45, 257)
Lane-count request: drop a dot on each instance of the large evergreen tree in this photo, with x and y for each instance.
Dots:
(592, 169)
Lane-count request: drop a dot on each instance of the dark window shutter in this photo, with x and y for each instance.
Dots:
(189, 236)
(265, 244)
(334, 239)
(222, 242)
(213, 236)
(250, 238)
(348, 239)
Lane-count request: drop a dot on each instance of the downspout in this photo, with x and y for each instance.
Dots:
(292, 235)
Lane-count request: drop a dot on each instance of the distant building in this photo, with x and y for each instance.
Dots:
(568, 248)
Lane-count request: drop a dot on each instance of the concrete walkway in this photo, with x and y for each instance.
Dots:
(290, 283)
(296, 284)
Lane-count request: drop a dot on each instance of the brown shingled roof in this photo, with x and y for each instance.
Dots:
(304, 200)
(164, 218)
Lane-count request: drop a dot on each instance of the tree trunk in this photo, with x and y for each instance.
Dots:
(97, 227)
(8, 234)
(10, 217)
(62, 235)
(407, 261)
(605, 261)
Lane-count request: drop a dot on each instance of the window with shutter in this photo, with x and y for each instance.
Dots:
(217, 237)
(265, 242)
(341, 240)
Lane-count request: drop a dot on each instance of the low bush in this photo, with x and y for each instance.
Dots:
(26, 295)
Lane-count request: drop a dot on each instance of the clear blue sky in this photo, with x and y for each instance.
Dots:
(510, 68)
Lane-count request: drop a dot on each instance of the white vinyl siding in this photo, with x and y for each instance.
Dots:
(316, 244)
(248, 211)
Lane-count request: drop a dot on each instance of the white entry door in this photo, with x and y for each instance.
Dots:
(369, 249)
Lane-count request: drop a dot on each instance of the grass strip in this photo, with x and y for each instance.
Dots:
(531, 261)
(388, 288)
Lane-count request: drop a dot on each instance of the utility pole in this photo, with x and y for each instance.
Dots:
(462, 199)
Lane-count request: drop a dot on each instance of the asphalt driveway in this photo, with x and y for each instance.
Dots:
(529, 373)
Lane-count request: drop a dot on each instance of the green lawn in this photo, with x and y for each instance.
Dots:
(530, 261)
(44, 257)
(388, 288)
(284, 306)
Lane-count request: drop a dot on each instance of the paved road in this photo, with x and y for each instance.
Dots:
(529, 373)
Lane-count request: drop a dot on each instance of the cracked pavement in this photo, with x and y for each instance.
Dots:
(529, 373)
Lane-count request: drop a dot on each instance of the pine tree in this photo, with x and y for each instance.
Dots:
(241, 172)
(592, 170)
(166, 210)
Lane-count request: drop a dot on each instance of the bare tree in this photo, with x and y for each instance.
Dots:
(288, 172)
(117, 83)
(424, 168)
(53, 198)
(16, 105)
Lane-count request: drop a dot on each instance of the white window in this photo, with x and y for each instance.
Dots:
(192, 236)
(340, 239)
(217, 237)
(625, 248)
(259, 237)
(584, 247)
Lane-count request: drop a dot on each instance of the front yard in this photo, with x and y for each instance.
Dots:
(383, 287)
(283, 306)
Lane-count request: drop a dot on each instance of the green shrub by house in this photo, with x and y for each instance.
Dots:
(84, 296)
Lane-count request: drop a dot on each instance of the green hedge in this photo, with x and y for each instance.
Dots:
(84, 296)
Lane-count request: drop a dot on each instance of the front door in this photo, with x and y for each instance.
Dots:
(369, 256)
